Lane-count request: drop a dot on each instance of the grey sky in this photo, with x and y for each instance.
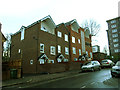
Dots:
(15, 13)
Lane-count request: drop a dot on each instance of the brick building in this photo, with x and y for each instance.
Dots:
(80, 44)
(113, 33)
(46, 47)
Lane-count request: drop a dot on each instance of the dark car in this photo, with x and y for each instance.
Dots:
(115, 71)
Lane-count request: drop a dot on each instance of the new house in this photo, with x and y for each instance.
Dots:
(46, 47)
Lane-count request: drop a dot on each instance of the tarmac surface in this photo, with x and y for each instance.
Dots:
(37, 78)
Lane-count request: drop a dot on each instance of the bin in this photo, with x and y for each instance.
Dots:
(13, 73)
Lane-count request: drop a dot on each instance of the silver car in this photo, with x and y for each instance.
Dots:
(107, 63)
(116, 70)
(91, 65)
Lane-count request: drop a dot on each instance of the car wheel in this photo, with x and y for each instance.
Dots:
(112, 75)
(92, 69)
(111, 65)
(99, 68)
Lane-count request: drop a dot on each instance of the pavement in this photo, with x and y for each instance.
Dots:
(38, 78)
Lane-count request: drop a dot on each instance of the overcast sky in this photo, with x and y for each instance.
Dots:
(15, 13)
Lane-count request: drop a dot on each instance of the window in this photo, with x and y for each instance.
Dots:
(73, 39)
(59, 34)
(31, 61)
(42, 48)
(113, 26)
(75, 59)
(66, 37)
(43, 28)
(52, 50)
(19, 51)
(91, 54)
(115, 35)
(22, 33)
(115, 40)
(74, 50)
(50, 61)
(116, 50)
(66, 50)
(78, 40)
(113, 21)
(59, 60)
(65, 60)
(114, 30)
(42, 61)
(59, 49)
(79, 51)
(86, 52)
(116, 45)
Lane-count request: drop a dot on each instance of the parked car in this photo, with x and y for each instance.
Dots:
(91, 65)
(115, 71)
(107, 63)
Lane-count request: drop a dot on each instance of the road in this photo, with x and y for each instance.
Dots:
(97, 79)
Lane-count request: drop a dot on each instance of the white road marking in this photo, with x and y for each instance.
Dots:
(83, 86)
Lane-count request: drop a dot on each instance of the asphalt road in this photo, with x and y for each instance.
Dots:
(97, 79)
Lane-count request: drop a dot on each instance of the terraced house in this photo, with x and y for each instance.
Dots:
(80, 44)
(46, 47)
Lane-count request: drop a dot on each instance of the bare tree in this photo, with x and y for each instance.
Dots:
(92, 26)
(7, 45)
(105, 50)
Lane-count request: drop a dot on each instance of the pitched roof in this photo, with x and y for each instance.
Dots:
(47, 17)
(3, 37)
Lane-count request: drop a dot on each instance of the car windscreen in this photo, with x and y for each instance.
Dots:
(88, 63)
(104, 61)
(118, 63)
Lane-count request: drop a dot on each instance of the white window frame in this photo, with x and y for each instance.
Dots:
(75, 59)
(51, 51)
(66, 37)
(79, 41)
(115, 40)
(73, 39)
(42, 49)
(44, 29)
(66, 50)
(74, 50)
(91, 54)
(42, 61)
(51, 61)
(116, 45)
(19, 50)
(113, 26)
(113, 21)
(116, 50)
(65, 60)
(59, 34)
(86, 52)
(22, 33)
(80, 52)
(115, 35)
(59, 49)
(114, 30)
(31, 62)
